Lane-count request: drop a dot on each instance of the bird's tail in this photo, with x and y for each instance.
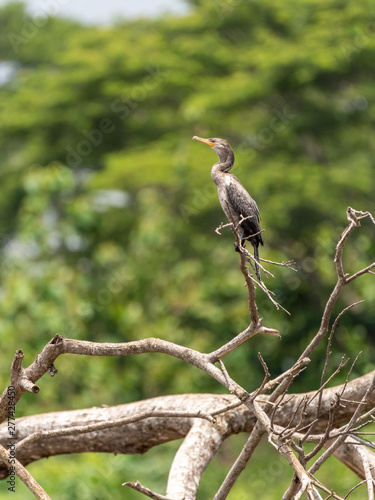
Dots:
(256, 257)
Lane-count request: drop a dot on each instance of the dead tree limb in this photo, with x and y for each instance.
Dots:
(206, 420)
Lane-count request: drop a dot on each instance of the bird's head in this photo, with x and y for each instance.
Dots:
(215, 143)
(221, 147)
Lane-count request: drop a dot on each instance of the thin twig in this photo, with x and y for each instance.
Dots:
(294, 371)
(137, 486)
(367, 269)
(285, 263)
(266, 376)
(354, 488)
(233, 406)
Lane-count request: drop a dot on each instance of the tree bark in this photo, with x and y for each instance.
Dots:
(139, 437)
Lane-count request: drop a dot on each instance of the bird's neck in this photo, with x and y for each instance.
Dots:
(223, 166)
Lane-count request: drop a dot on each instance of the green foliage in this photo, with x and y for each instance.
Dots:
(108, 211)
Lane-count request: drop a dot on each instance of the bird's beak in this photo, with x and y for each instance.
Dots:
(206, 141)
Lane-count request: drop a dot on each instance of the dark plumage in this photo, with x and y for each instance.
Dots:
(234, 199)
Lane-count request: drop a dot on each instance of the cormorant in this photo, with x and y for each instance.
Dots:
(235, 201)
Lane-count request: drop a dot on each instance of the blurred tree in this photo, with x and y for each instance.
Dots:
(292, 95)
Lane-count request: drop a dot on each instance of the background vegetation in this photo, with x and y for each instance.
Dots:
(108, 211)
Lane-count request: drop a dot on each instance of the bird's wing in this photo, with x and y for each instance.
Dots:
(243, 205)
(241, 200)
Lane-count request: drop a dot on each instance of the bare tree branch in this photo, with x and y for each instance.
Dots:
(250, 331)
(340, 439)
(245, 257)
(24, 475)
(367, 471)
(204, 421)
(241, 462)
(192, 458)
(341, 280)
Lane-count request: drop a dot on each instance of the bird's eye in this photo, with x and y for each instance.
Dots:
(212, 140)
